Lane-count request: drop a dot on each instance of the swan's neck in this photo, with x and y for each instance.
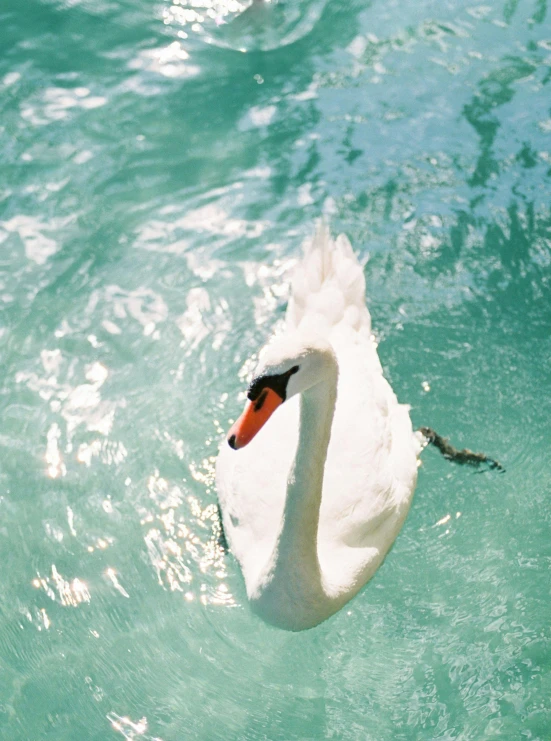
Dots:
(291, 584)
(299, 528)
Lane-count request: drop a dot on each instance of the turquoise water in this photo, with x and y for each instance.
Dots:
(156, 185)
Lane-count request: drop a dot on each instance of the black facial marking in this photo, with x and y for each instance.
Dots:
(277, 383)
(261, 399)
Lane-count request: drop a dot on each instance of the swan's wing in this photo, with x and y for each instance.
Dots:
(371, 465)
(371, 461)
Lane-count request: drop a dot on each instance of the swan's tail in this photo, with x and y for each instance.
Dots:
(328, 285)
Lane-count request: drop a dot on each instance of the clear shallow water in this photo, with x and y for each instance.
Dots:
(156, 185)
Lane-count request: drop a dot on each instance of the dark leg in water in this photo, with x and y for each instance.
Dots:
(458, 456)
(219, 532)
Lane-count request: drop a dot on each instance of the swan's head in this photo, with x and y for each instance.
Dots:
(288, 365)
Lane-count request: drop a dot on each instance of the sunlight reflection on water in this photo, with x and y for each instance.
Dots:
(244, 26)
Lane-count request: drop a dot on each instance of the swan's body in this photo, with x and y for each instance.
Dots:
(314, 502)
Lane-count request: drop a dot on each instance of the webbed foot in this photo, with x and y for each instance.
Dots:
(464, 456)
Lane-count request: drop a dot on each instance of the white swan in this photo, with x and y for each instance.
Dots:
(314, 502)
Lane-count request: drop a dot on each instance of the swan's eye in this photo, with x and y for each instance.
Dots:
(259, 403)
(277, 382)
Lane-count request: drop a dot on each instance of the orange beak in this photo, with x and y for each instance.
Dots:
(255, 416)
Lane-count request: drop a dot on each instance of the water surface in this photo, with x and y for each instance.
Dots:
(156, 186)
